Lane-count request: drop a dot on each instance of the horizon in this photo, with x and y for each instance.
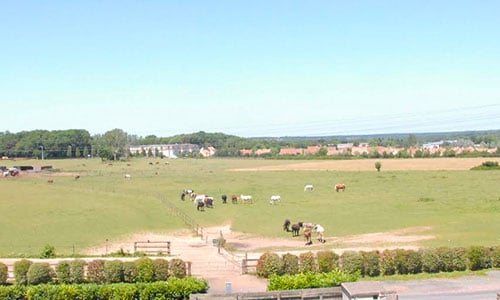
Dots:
(280, 68)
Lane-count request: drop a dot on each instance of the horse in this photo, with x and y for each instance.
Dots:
(308, 187)
(246, 198)
(77, 177)
(224, 199)
(320, 230)
(340, 186)
(296, 229)
(275, 199)
(309, 226)
(127, 176)
(209, 202)
(307, 236)
(183, 196)
(234, 199)
(286, 225)
(200, 206)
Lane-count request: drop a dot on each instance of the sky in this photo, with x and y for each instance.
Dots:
(250, 68)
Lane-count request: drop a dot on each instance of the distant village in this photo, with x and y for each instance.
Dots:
(435, 149)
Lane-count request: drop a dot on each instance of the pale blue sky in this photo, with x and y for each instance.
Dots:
(250, 68)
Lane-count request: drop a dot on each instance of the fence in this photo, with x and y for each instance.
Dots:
(334, 293)
(153, 247)
(249, 265)
(185, 218)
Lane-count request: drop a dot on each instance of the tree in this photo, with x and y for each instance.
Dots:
(77, 152)
(115, 142)
(378, 165)
(69, 152)
(85, 152)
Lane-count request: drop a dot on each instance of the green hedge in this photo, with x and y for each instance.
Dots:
(3, 273)
(173, 288)
(309, 280)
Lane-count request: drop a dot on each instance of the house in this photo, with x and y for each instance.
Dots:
(291, 151)
(208, 151)
(263, 151)
(246, 152)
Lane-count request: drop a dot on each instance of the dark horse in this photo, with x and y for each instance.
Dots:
(286, 225)
(296, 229)
(200, 206)
(224, 199)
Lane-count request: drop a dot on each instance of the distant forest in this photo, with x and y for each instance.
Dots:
(114, 144)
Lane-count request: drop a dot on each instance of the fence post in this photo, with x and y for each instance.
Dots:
(188, 268)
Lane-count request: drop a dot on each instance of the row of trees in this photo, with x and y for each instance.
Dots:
(115, 143)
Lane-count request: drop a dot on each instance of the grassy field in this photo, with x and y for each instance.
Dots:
(461, 207)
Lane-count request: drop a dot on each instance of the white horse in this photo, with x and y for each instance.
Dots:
(246, 198)
(127, 176)
(308, 187)
(275, 199)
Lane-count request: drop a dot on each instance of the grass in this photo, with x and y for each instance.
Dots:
(462, 208)
(422, 276)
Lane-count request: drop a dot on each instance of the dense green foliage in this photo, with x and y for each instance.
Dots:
(173, 288)
(327, 261)
(3, 273)
(309, 280)
(21, 268)
(269, 263)
(487, 165)
(290, 263)
(39, 272)
(113, 144)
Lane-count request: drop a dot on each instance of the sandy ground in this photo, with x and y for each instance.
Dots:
(417, 164)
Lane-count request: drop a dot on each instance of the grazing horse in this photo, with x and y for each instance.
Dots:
(77, 177)
(183, 196)
(246, 198)
(307, 236)
(308, 187)
(286, 225)
(275, 199)
(224, 199)
(209, 202)
(320, 230)
(296, 229)
(50, 181)
(127, 176)
(234, 199)
(340, 186)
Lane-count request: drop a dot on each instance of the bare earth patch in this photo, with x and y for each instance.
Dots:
(416, 164)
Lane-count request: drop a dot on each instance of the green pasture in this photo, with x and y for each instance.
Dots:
(461, 207)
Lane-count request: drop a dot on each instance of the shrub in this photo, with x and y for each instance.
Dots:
(452, 259)
(63, 272)
(290, 264)
(477, 257)
(308, 262)
(407, 262)
(48, 251)
(177, 268)
(268, 264)
(351, 262)
(77, 271)
(495, 257)
(161, 269)
(431, 262)
(39, 273)
(309, 280)
(113, 271)
(388, 262)
(95, 271)
(21, 268)
(371, 263)
(3, 273)
(327, 261)
(129, 271)
(145, 269)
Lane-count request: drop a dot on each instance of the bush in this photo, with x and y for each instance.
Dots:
(290, 264)
(388, 262)
(21, 268)
(113, 271)
(48, 252)
(327, 261)
(39, 273)
(129, 271)
(145, 270)
(309, 280)
(495, 257)
(431, 262)
(452, 259)
(95, 271)
(268, 264)
(161, 269)
(407, 261)
(308, 262)
(63, 272)
(371, 263)
(3, 273)
(477, 257)
(351, 262)
(77, 271)
(177, 268)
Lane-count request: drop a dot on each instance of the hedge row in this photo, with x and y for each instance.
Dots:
(388, 262)
(309, 280)
(173, 288)
(96, 271)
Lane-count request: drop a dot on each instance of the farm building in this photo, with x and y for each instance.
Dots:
(167, 150)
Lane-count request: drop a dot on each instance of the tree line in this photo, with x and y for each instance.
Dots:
(114, 144)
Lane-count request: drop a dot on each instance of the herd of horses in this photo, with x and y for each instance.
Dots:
(202, 200)
(308, 230)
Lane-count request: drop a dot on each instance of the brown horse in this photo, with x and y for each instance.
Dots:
(307, 236)
(340, 186)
